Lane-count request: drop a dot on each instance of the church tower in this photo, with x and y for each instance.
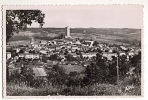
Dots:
(67, 32)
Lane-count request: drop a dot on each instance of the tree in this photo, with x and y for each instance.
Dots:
(70, 57)
(136, 62)
(28, 75)
(19, 19)
(123, 65)
(95, 43)
(54, 57)
(97, 71)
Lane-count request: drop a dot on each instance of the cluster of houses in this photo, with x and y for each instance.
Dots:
(36, 49)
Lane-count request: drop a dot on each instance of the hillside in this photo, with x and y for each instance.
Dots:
(108, 35)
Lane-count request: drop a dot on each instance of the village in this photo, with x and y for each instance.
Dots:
(74, 54)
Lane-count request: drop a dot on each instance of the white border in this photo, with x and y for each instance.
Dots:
(90, 2)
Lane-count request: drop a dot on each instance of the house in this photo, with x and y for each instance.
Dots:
(122, 53)
(68, 42)
(52, 48)
(8, 55)
(50, 62)
(89, 55)
(17, 50)
(131, 53)
(43, 51)
(137, 51)
(77, 42)
(57, 47)
(68, 47)
(35, 45)
(110, 50)
(15, 58)
(21, 55)
(109, 55)
(74, 48)
(123, 48)
(32, 56)
(127, 58)
(89, 43)
(43, 42)
(60, 41)
(50, 43)
(54, 42)
(84, 48)
(101, 45)
(74, 55)
(62, 56)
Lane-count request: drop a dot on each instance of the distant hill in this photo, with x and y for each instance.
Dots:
(108, 35)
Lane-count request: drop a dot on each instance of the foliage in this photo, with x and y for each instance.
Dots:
(91, 90)
(136, 62)
(56, 75)
(97, 71)
(27, 76)
(69, 57)
(95, 43)
(54, 57)
(19, 19)
(44, 58)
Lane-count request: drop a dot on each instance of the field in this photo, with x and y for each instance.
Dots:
(119, 36)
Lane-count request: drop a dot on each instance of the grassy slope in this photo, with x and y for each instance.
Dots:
(96, 89)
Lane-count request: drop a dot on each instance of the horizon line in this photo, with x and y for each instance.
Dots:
(90, 27)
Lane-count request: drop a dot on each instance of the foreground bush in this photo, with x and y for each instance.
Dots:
(23, 90)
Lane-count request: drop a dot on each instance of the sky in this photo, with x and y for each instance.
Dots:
(99, 16)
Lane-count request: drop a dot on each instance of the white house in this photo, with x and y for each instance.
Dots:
(123, 48)
(122, 53)
(21, 55)
(89, 43)
(131, 53)
(43, 42)
(35, 45)
(32, 56)
(43, 51)
(52, 48)
(109, 55)
(77, 42)
(74, 55)
(74, 48)
(8, 55)
(89, 55)
(17, 50)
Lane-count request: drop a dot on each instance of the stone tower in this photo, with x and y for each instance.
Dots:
(68, 32)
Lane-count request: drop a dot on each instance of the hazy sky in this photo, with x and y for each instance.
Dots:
(109, 16)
